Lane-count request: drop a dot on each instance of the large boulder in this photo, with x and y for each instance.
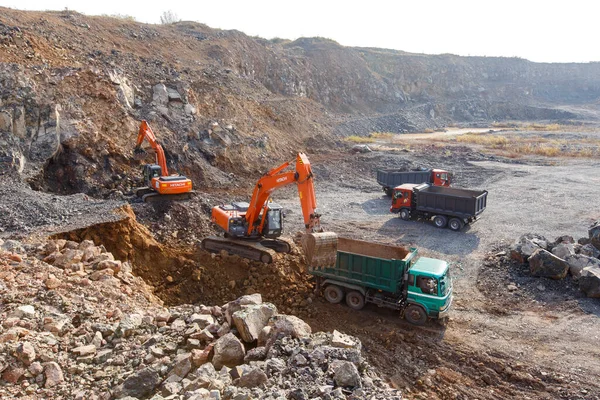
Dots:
(253, 378)
(228, 351)
(236, 305)
(250, 320)
(594, 234)
(289, 325)
(563, 250)
(345, 374)
(542, 263)
(527, 244)
(578, 262)
(589, 282)
(140, 384)
(589, 250)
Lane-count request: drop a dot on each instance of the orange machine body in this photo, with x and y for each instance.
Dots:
(261, 217)
(156, 176)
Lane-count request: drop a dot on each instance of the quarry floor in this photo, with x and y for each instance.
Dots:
(539, 341)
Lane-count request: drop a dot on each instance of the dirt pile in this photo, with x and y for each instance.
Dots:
(77, 324)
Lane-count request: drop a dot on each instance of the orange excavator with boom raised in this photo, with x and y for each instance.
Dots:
(160, 185)
(252, 229)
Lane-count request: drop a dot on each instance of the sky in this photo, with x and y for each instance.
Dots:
(540, 31)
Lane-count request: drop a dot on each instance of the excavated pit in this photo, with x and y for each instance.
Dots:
(184, 274)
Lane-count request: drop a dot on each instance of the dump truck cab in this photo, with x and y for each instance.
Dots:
(440, 177)
(403, 197)
(429, 288)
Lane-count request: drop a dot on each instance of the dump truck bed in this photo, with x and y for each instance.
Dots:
(450, 201)
(393, 177)
(368, 264)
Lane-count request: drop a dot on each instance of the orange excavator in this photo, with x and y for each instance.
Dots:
(252, 229)
(160, 185)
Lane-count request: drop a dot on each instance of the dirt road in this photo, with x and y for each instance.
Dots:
(548, 335)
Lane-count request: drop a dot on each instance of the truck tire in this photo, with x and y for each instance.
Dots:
(405, 214)
(416, 315)
(455, 224)
(333, 294)
(440, 221)
(355, 300)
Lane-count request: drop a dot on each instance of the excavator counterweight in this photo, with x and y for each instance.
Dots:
(252, 230)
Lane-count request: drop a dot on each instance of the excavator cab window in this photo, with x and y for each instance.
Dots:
(274, 223)
(151, 171)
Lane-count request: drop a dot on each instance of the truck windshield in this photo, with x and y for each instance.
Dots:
(444, 177)
(445, 283)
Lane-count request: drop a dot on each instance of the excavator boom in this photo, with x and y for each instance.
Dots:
(145, 132)
(260, 219)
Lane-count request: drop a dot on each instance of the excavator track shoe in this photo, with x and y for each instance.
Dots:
(320, 249)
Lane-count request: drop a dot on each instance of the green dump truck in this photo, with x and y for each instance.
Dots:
(389, 276)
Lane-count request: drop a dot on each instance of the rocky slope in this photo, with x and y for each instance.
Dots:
(75, 87)
(77, 324)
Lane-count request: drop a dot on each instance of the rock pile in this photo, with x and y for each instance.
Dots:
(564, 256)
(77, 324)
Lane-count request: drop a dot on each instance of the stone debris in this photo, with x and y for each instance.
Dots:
(106, 336)
(564, 256)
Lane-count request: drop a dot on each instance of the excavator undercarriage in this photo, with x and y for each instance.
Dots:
(319, 248)
(261, 250)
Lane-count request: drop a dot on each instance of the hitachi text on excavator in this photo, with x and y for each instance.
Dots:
(160, 185)
(252, 229)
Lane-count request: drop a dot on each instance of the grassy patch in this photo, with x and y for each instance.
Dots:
(484, 139)
(533, 145)
(360, 139)
(381, 135)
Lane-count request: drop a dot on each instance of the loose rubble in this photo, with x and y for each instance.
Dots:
(563, 257)
(77, 324)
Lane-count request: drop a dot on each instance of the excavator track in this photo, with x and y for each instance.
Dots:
(262, 250)
(155, 197)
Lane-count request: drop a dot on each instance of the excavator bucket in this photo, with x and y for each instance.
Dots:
(320, 249)
(139, 153)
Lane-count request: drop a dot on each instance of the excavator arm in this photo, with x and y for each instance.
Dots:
(145, 132)
(274, 179)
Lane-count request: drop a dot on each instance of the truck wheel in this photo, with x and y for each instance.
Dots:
(440, 221)
(455, 224)
(355, 300)
(416, 315)
(405, 214)
(333, 294)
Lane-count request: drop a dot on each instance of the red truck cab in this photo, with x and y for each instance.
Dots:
(402, 197)
(440, 177)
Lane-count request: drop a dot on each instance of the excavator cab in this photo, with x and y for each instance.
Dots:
(274, 223)
(151, 171)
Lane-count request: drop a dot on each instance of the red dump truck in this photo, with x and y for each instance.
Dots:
(450, 207)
